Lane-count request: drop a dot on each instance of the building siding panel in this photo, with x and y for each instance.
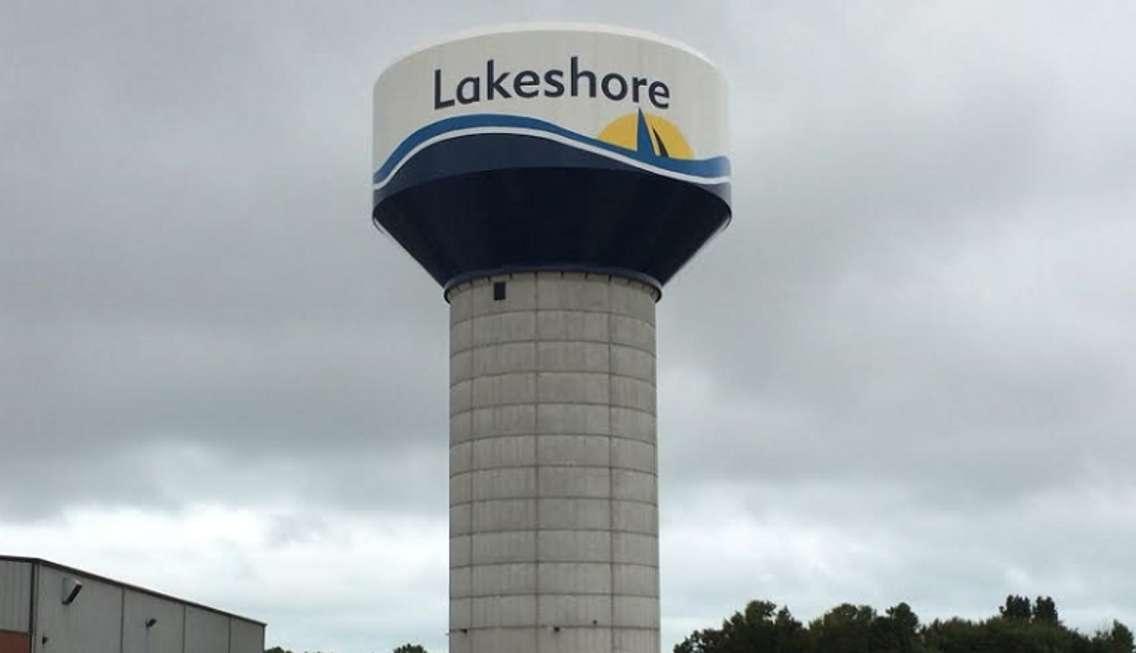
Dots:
(165, 636)
(206, 632)
(248, 637)
(15, 595)
(108, 616)
(91, 624)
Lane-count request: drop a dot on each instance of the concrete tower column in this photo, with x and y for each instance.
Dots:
(553, 502)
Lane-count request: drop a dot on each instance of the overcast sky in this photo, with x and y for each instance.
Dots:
(907, 371)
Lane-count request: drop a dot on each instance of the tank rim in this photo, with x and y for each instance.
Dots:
(510, 270)
(549, 26)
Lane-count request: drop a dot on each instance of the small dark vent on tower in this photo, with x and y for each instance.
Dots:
(498, 291)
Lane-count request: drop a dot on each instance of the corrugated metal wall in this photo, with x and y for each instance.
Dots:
(92, 624)
(206, 632)
(165, 634)
(109, 618)
(15, 595)
(247, 637)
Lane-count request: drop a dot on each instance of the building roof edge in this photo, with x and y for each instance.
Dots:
(125, 585)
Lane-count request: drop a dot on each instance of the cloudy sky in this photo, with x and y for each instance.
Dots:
(906, 372)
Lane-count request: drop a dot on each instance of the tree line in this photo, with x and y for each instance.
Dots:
(405, 648)
(1021, 626)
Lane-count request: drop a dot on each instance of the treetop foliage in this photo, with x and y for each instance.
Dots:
(1021, 626)
(405, 648)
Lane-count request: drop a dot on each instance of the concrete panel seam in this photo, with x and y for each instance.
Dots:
(610, 506)
(608, 404)
(536, 539)
(620, 468)
(555, 561)
(493, 375)
(535, 403)
(561, 341)
(548, 593)
(581, 497)
(538, 311)
(469, 553)
(493, 531)
(472, 628)
(541, 435)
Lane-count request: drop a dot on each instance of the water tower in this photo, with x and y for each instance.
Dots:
(552, 179)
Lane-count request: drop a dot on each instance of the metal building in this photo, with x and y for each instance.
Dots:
(552, 179)
(47, 607)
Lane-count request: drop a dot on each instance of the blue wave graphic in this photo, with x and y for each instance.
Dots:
(708, 168)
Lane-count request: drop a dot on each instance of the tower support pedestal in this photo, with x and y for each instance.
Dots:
(553, 492)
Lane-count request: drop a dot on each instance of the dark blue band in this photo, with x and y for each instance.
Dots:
(712, 168)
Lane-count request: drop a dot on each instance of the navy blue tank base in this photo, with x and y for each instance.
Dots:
(470, 205)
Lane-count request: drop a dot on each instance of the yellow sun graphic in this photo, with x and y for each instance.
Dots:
(666, 139)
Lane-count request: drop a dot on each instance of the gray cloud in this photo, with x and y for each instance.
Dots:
(903, 373)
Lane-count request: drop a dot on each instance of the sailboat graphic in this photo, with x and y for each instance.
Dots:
(650, 136)
(644, 141)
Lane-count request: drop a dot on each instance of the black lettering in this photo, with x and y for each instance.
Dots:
(614, 77)
(577, 74)
(494, 83)
(525, 80)
(439, 103)
(659, 94)
(557, 82)
(472, 83)
(636, 82)
(553, 78)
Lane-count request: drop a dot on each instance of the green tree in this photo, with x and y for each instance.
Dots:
(895, 632)
(846, 628)
(760, 627)
(1116, 640)
(1045, 611)
(953, 636)
(791, 634)
(410, 648)
(1016, 607)
(1019, 627)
